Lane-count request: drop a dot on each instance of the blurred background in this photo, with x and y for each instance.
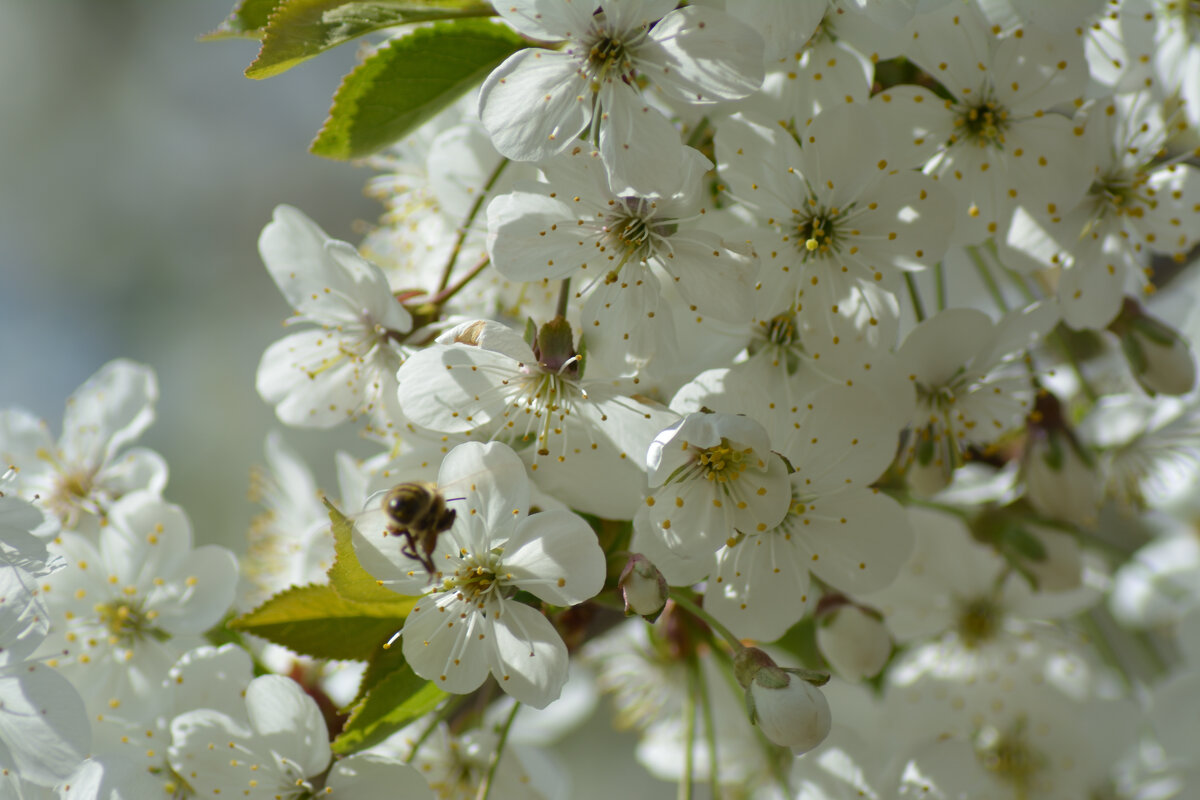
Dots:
(137, 167)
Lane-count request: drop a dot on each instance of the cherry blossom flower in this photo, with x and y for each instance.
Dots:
(1137, 205)
(279, 749)
(347, 364)
(482, 379)
(536, 102)
(994, 145)
(127, 606)
(618, 244)
(841, 206)
(468, 623)
(89, 467)
(711, 476)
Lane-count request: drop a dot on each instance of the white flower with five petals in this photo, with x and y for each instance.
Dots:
(469, 624)
(347, 364)
(536, 102)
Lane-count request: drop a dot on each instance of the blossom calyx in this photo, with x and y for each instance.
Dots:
(784, 703)
(1158, 356)
(642, 587)
(555, 348)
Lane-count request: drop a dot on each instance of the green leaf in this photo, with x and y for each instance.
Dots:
(246, 21)
(408, 81)
(315, 621)
(301, 29)
(383, 662)
(396, 701)
(347, 576)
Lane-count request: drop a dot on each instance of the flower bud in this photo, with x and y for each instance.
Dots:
(785, 703)
(643, 587)
(854, 642)
(1159, 358)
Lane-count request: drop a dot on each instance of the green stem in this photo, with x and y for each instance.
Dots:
(687, 605)
(918, 307)
(689, 738)
(989, 280)
(564, 295)
(485, 788)
(710, 730)
(939, 278)
(466, 226)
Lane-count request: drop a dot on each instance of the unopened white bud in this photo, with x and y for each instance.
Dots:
(785, 703)
(795, 716)
(643, 587)
(854, 642)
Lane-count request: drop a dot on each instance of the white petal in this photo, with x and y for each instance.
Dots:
(531, 237)
(527, 656)
(288, 722)
(292, 247)
(710, 276)
(847, 439)
(44, 730)
(494, 486)
(641, 148)
(211, 677)
(535, 104)
(856, 541)
(375, 777)
(549, 20)
(108, 411)
(703, 56)
(310, 380)
(761, 586)
(555, 555)
(444, 641)
(211, 582)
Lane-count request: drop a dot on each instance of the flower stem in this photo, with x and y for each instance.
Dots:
(485, 788)
(696, 611)
(939, 278)
(564, 294)
(441, 297)
(466, 226)
(989, 280)
(689, 738)
(918, 307)
(710, 730)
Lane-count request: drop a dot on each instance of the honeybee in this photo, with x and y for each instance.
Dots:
(417, 511)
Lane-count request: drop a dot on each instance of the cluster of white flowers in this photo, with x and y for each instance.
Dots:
(823, 339)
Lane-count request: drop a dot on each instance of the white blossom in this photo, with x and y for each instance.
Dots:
(346, 365)
(536, 102)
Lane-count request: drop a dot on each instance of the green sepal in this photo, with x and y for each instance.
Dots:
(301, 29)
(395, 701)
(407, 81)
(315, 621)
(246, 21)
(347, 576)
(530, 335)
